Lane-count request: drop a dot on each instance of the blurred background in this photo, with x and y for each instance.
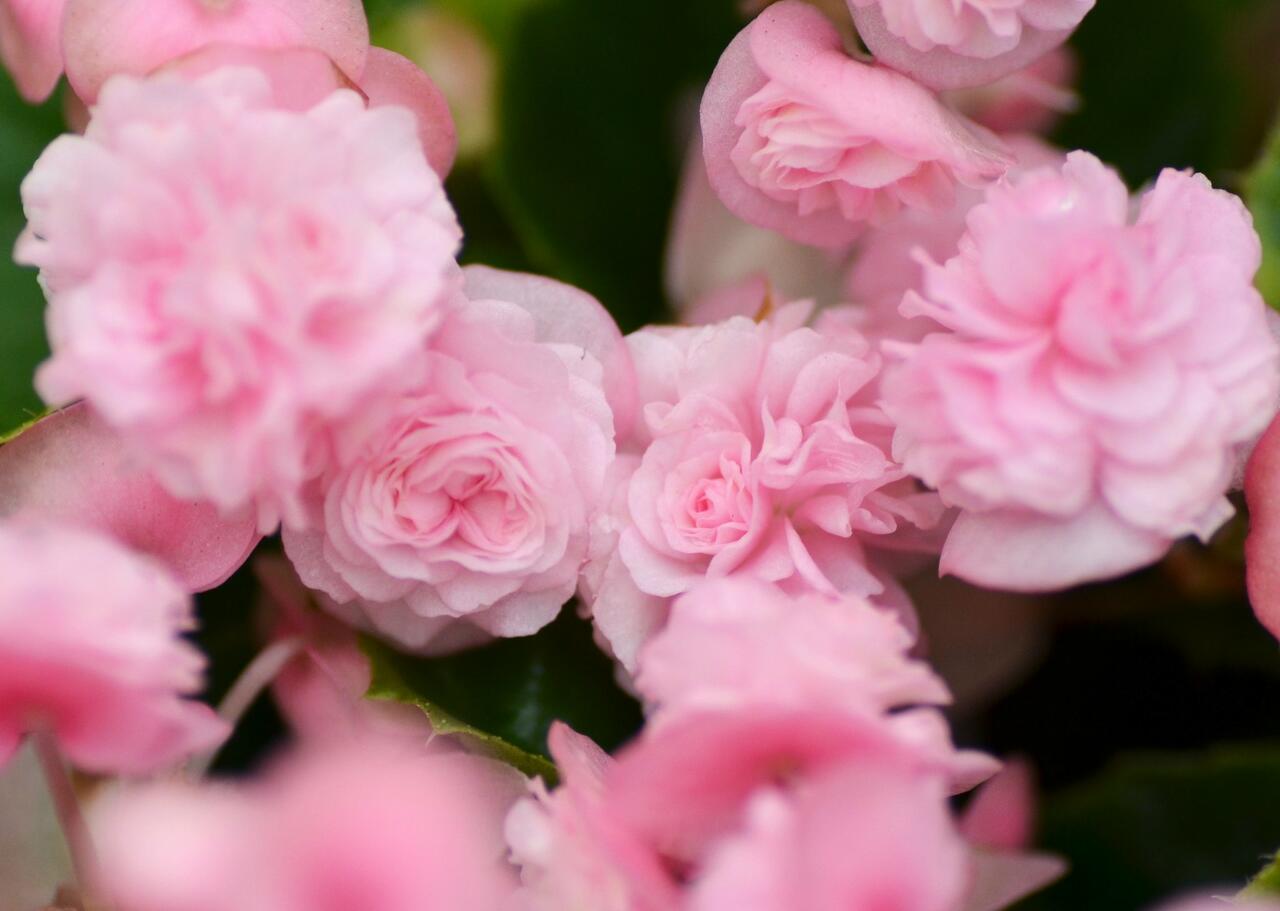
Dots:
(1150, 707)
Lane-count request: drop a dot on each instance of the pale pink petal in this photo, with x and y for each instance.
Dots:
(70, 467)
(1014, 551)
(29, 45)
(389, 78)
(101, 40)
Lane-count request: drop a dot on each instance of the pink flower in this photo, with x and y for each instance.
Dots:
(864, 836)
(573, 850)
(804, 140)
(739, 644)
(69, 467)
(1100, 374)
(1030, 100)
(345, 829)
(957, 43)
(137, 37)
(91, 652)
(761, 453)
(471, 499)
(221, 297)
(1262, 547)
(29, 45)
(887, 262)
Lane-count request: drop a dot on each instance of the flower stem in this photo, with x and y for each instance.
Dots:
(66, 805)
(259, 675)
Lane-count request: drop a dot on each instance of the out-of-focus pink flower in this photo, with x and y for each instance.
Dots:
(868, 835)
(91, 651)
(686, 783)
(69, 467)
(137, 37)
(806, 141)
(1030, 100)
(1001, 815)
(736, 644)
(29, 45)
(1100, 374)
(345, 829)
(223, 296)
(471, 500)
(761, 453)
(1262, 547)
(573, 851)
(951, 44)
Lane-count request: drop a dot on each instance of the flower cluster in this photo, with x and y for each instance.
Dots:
(913, 335)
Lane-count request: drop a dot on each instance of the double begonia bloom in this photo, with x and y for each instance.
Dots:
(804, 140)
(30, 45)
(1100, 375)
(739, 643)
(92, 654)
(951, 44)
(349, 828)
(760, 453)
(472, 499)
(227, 279)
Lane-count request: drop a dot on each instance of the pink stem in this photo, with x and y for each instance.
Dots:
(66, 805)
(260, 674)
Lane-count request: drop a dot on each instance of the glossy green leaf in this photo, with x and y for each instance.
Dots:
(595, 105)
(1156, 825)
(504, 696)
(24, 132)
(1262, 193)
(1266, 884)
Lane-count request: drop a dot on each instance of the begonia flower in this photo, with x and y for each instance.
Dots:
(1100, 375)
(471, 500)
(951, 44)
(802, 139)
(92, 654)
(222, 297)
(761, 453)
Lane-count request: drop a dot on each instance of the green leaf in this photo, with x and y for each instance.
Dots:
(26, 131)
(1172, 83)
(595, 100)
(1262, 193)
(504, 696)
(1158, 824)
(1266, 884)
(34, 418)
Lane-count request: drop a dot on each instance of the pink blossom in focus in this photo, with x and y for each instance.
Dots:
(760, 453)
(29, 45)
(350, 828)
(1100, 373)
(471, 499)
(138, 37)
(804, 140)
(91, 652)
(738, 644)
(952, 44)
(223, 296)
